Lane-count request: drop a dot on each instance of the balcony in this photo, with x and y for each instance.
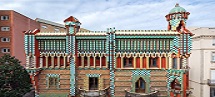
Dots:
(133, 94)
(211, 82)
(94, 93)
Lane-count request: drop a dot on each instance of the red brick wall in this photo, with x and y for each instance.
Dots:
(5, 33)
(20, 23)
(17, 23)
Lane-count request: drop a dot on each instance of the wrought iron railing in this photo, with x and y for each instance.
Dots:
(133, 94)
(93, 93)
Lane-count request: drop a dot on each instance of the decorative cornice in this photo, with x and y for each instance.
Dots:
(51, 34)
(146, 32)
(204, 37)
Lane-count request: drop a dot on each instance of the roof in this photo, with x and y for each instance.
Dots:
(84, 30)
(202, 31)
(72, 19)
(51, 34)
(147, 32)
(177, 9)
(131, 32)
(91, 33)
(49, 22)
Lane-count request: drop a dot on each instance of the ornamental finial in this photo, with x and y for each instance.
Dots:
(176, 5)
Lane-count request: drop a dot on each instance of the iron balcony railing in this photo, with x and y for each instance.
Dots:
(93, 93)
(133, 94)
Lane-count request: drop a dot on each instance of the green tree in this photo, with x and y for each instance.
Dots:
(14, 79)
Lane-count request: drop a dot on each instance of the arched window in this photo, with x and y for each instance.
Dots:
(174, 66)
(79, 61)
(175, 85)
(97, 61)
(85, 61)
(140, 86)
(153, 62)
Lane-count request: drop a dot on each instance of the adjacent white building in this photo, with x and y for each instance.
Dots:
(202, 62)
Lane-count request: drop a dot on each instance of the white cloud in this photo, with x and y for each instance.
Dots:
(122, 14)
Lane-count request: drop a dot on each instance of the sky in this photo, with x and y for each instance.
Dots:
(122, 14)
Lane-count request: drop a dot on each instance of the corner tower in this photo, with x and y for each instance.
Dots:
(72, 26)
(177, 18)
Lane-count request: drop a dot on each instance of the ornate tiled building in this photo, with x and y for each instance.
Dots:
(112, 62)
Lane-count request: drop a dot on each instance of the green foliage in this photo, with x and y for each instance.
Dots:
(14, 79)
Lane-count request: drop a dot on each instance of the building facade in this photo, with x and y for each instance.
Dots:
(202, 62)
(12, 26)
(49, 26)
(78, 62)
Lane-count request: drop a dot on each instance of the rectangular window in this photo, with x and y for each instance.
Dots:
(212, 92)
(93, 83)
(5, 28)
(5, 39)
(5, 50)
(4, 17)
(53, 82)
(213, 57)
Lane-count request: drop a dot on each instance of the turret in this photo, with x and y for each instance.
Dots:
(72, 25)
(177, 18)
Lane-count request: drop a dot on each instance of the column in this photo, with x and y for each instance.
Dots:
(64, 61)
(27, 62)
(100, 61)
(94, 61)
(170, 62)
(34, 61)
(52, 60)
(135, 62)
(147, 62)
(167, 62)
(184, 62)
(122, 62)
(178, 63)
(82, 61)
(160, 58)
(47, 61)
(41, 62)
(141, 62)
(106, 62)
(88, 61)
(58, 61)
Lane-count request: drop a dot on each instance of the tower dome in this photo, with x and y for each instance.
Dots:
(177, 9)
(177, 17)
